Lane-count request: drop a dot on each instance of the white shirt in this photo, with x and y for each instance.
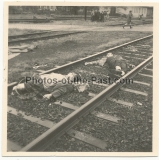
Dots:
(50, 80)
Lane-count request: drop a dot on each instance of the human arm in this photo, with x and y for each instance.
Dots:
(100, 62)
(93, 62)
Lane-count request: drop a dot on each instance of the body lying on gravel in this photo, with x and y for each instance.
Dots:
(117, 65)
(49, 86)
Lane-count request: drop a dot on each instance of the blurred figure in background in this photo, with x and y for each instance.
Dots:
(105, 16)
(95, 15)
(102, 16)
(129, 18)
(140, 16)
(92, 15)
(98, 15)
(108, 13)
(34, 17)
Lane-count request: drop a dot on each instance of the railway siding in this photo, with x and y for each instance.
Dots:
(102, 107)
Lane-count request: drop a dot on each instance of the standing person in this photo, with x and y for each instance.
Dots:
(140, 16)
(92, 15)
(108, 13)
(98, 16)
(95, 15)
(105, 16)
(129, 17)
(102, 16)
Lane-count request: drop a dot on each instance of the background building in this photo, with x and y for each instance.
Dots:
(146, 11)
(79, 10)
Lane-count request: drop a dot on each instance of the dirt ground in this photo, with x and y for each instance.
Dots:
(63, 50)
(80, 26)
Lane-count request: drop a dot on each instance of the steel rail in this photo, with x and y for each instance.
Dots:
(47, 20)
(44, 37)
(53, 18)
(43, 20)
(93, 56)
(84, 59)
(69, 18)
(43, 141)
(30, 34)
(29, 20)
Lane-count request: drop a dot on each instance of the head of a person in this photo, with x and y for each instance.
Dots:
(109, 54)
(19, 90)
(130, 11)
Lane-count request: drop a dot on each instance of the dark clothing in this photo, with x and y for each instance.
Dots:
(59, 91)
(97, 16)
(140, 17)
(117, 60)
(33, 85)
(112, 62)
(129, 17)
(34, 17)
(92, 15)
(114, 74)
(102, 17)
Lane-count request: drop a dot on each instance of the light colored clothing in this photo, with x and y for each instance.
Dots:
(54, 83)
(51, 80)
(100, 62)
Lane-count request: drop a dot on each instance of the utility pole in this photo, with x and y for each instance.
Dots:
(85, 13)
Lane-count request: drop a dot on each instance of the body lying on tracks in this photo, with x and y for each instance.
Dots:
(117, 65)
(49, 86)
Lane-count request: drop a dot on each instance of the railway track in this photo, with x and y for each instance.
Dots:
(26, 35)
(29, 20)
(39, 36)
(75, 117)
(46, 20)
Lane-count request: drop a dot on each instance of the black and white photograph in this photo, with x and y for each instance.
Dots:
(80, 78)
